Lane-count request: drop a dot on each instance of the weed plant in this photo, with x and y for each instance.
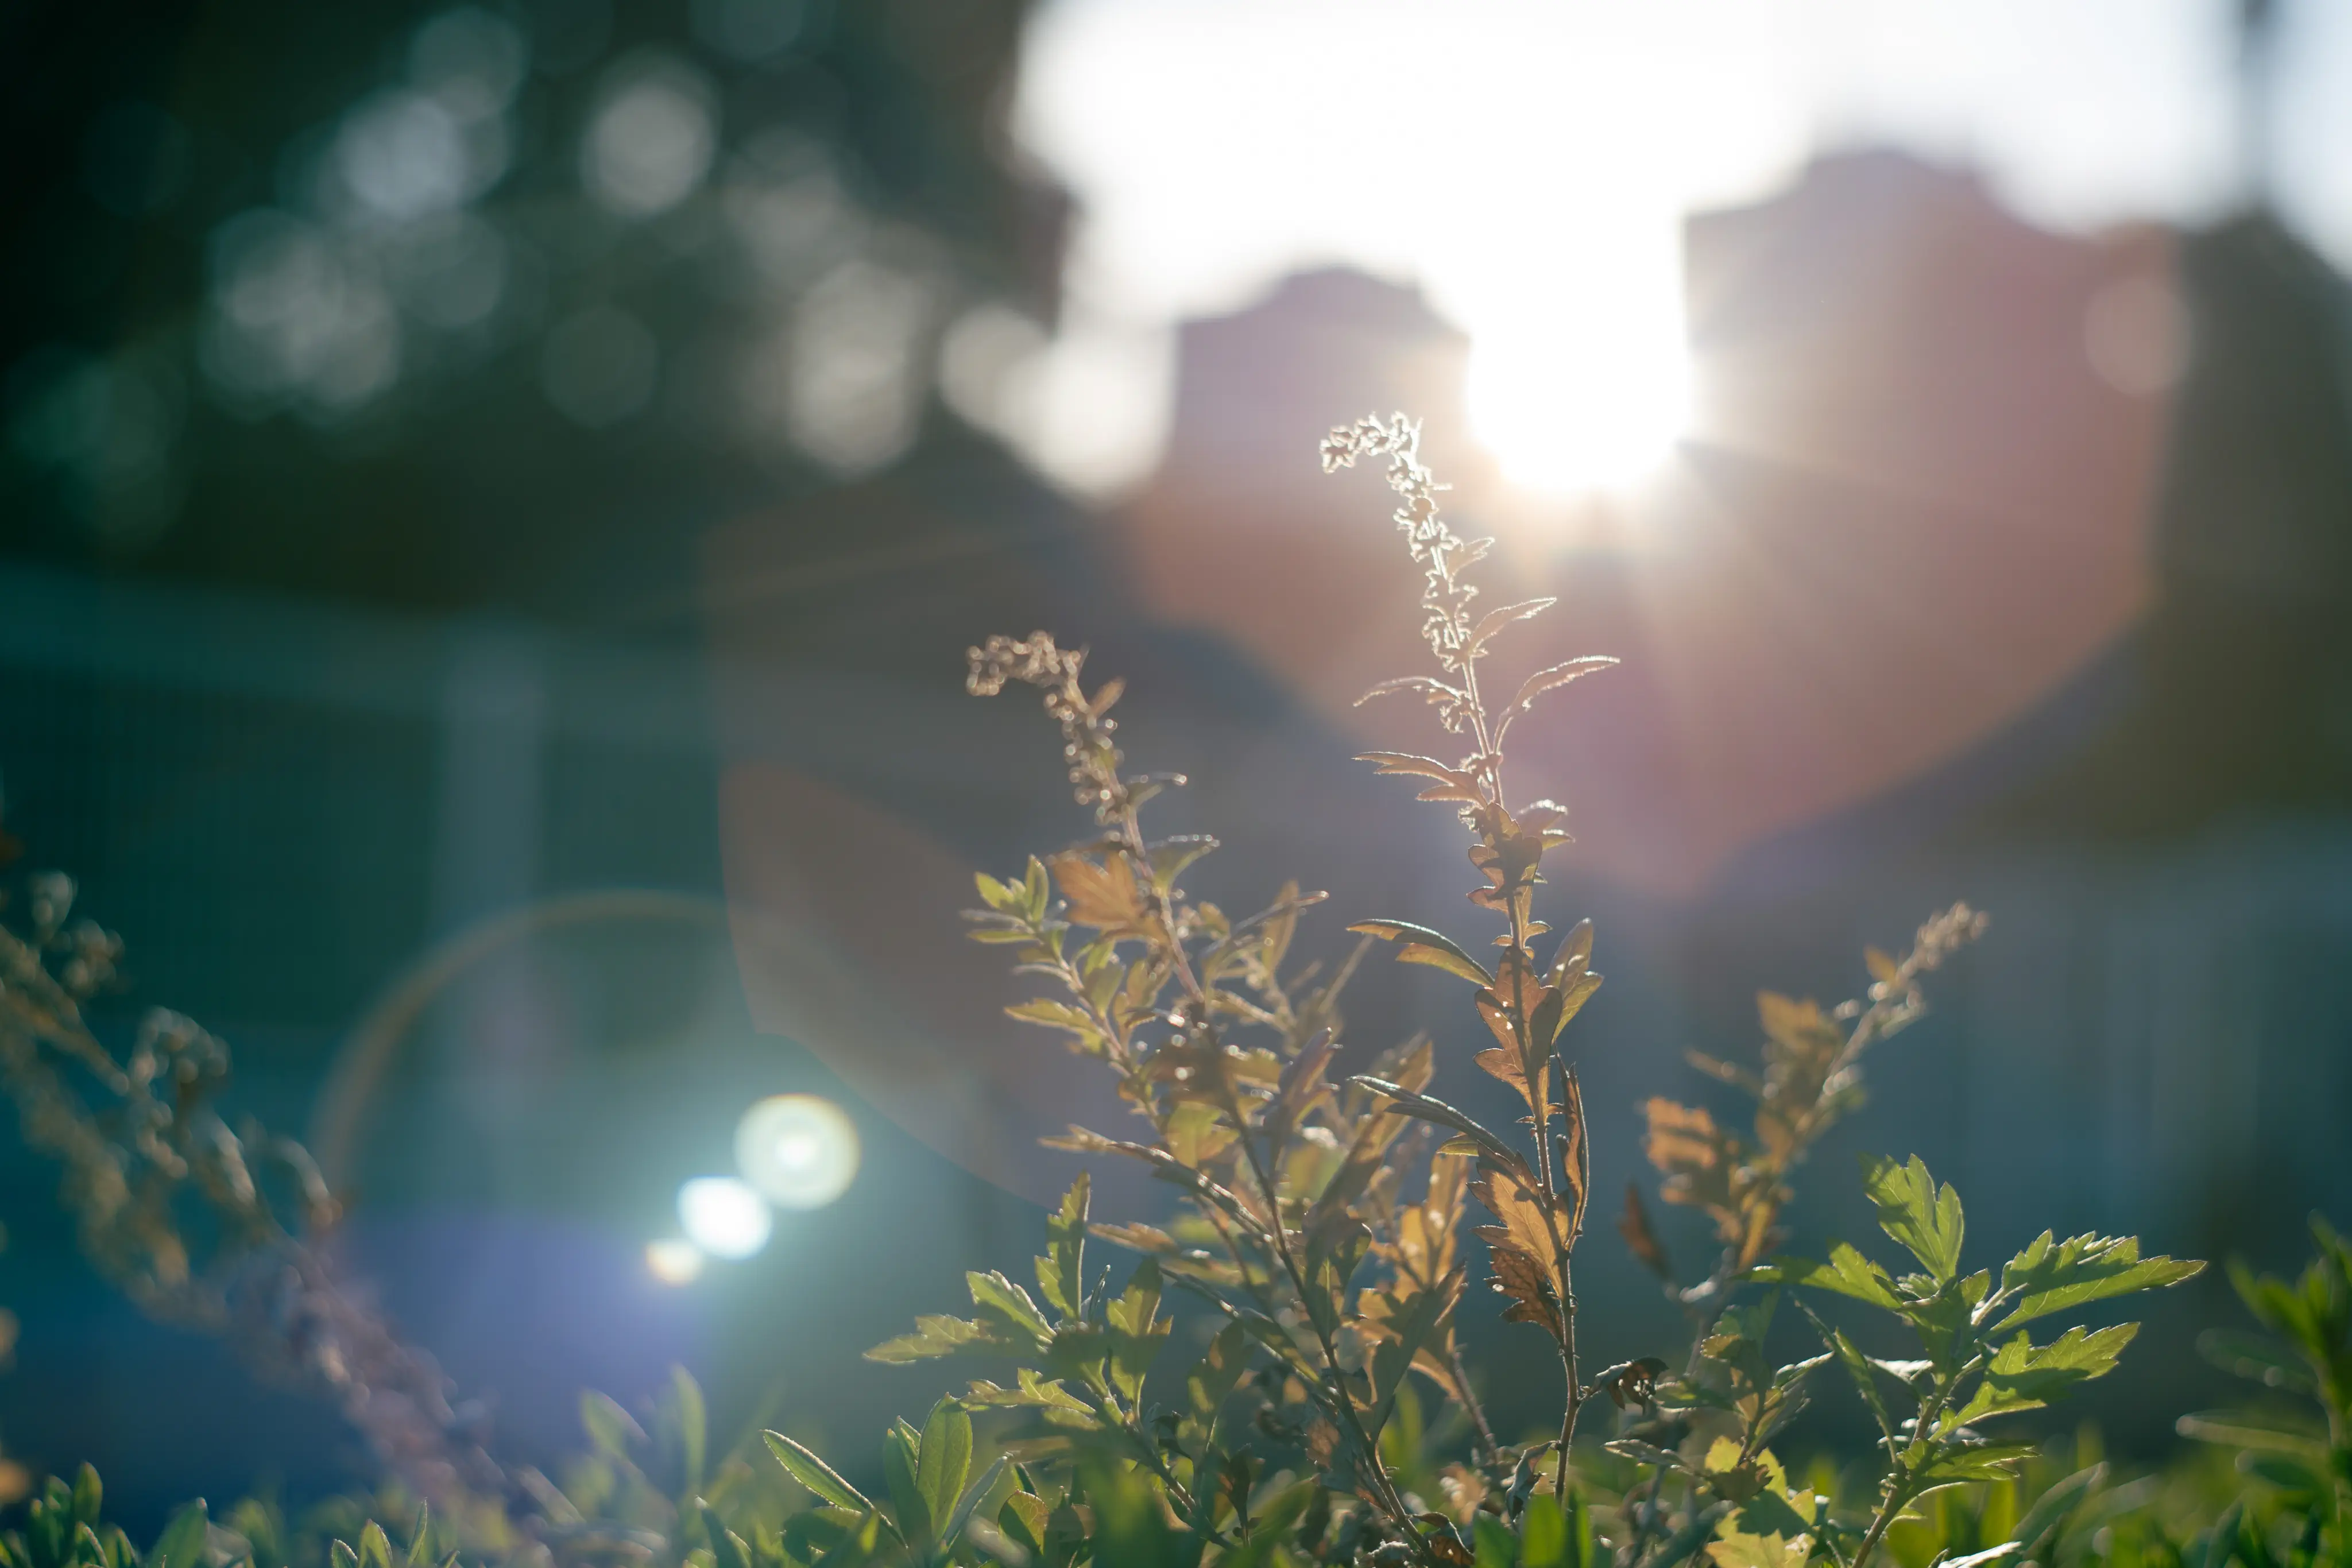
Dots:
(1328, 1223)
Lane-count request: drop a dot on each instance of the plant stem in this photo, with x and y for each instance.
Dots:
(1470, 1403)
(1896, 1500)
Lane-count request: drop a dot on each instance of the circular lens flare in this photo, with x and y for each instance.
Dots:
(724, 1216)
(801, 1151)
(673, 1261)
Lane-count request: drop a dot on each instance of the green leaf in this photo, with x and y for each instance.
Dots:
(858, 1545)
(2026, 1376)
(1859, 1368)
(944, 1460)
(1136, 1330)
(374, 1549)
(1847, 1272)
(2254, 1432)
(814, 1474)
(727, 1549)
(901, 1462)
(1033, 1391)
(1061, 1273)
(1422, 945)
(1991, 1554)
(1956, 1466)
(2056, 1276)
(959, 1513)
(1392, 1358)
(611, 1430)
(1052, 1015)
(1004, 1302)
(87, 1496)
(2258, 1359)
(2052, 1507)
(1915, 1212)
(181, 1545)
(936, 1335)
(1543, 1534)
(693, 1426)
(1023, 1519)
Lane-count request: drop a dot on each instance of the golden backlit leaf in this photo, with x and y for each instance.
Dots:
(1534, 1297)
(1514, 1200)
(1641, 1237)
(1102, 894)
(1502, 1061)
(1575, 1155)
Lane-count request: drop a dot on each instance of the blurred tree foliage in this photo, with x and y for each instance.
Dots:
(517, 297)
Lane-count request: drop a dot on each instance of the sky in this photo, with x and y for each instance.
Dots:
(1494, 150)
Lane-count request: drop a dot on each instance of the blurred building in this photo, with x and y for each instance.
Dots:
(1999, 564)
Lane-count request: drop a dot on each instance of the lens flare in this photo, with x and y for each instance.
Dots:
(799, 1150)
(724, 1216)
(673, 1261)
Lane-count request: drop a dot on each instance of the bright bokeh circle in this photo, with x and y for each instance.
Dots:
(801, 1151)
(724, 1216)
(673, 1261)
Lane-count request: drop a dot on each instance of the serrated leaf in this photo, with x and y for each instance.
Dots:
(1003, 1302)
(1061, 1273)
(936, 1334)
(1544, 680)
(1137, 1329)
(2056, 1276)
(1406, 762)
(1053, 1014)
(1495, 619)
(1033, 1390)
(1420, 944)
(1435, 691)
(1915, 1212)
(1847, 1272)
(2025, 1377)
(1956, 1467)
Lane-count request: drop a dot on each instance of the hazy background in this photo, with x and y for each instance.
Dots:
(493, 499)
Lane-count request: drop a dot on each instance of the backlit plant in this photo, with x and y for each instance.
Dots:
(1327, 1224)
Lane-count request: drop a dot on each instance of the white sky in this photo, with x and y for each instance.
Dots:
(1494, 149)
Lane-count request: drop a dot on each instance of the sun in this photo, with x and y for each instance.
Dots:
(1582, 395)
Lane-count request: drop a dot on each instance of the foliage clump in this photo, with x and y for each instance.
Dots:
(1327, 1225)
